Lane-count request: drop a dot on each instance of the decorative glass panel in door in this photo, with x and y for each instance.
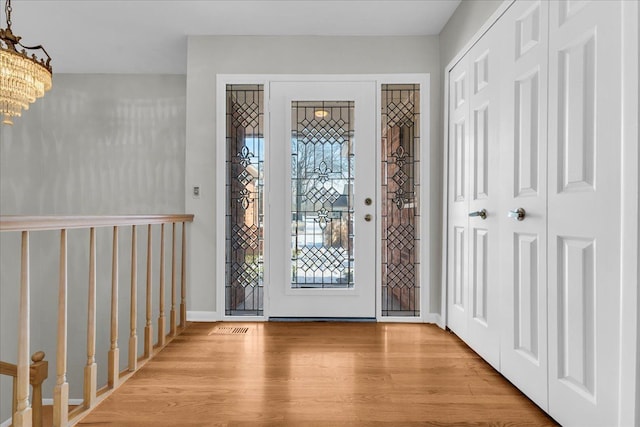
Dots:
(321, 227)
(321, 194)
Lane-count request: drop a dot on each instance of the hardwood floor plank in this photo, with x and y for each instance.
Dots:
(317, 374)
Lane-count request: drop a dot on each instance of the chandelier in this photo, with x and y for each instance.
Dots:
(23, 78)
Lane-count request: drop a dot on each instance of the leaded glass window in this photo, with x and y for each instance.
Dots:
(322, 171)
(400, 203)
(244, 216)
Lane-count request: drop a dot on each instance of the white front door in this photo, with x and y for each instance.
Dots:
(322, 187)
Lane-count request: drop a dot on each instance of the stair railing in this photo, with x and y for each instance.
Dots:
(22, 412)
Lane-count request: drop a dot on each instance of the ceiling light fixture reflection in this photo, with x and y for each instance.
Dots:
(321, 114)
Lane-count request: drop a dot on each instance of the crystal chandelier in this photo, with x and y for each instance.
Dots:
(23, 78)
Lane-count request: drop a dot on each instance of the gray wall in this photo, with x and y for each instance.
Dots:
(463, 24)
(209, 56)
(95, 144)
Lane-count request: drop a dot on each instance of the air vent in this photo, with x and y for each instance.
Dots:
(228, 330)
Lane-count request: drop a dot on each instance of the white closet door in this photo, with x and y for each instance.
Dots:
(584, 211)
(458, 200)
(473, 202)
(523, 181)
(482, 314)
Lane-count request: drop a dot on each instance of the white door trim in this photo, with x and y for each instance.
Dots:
(425, 217)
(629, 408)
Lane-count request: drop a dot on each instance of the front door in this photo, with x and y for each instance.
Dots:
(321, 184)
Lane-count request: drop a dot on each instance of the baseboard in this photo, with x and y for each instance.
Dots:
(6, 423)
(202, 316)
(435, 318)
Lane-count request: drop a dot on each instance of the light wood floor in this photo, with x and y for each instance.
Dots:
(317, 374)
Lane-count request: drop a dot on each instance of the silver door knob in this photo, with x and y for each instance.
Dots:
(518, 214)
(367, 217)
(481, 213)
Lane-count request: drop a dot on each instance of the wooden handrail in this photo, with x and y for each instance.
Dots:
(22, 410)
(41, 223)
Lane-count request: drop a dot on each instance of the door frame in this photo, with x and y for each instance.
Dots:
(425, 183)
(629, 318)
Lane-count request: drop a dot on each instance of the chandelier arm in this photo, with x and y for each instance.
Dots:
(36, 48)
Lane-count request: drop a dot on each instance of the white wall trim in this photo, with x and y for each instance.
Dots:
(203, 316)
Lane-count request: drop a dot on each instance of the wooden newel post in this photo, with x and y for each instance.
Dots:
(61, 389)
(22, 416)
(39, 372)
(91, 369)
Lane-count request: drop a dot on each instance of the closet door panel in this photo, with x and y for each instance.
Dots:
(458, 201)
(584, 211)
(523, 150)
(483, 320)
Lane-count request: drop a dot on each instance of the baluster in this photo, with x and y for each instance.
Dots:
(183, 282)
(61, 389)
(22, 416)
(148, 329)
(90, 371)
(172, 313)
(161, 318)
(114, 352)
(133, 337)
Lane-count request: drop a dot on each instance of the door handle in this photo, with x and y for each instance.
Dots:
(481, 213)
(518, 214)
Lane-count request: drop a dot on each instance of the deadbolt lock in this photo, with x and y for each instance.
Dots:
(368, 201)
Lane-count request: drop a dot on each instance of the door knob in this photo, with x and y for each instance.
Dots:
(367, 217)
(368, 201)
(481, 213)
(518, 214)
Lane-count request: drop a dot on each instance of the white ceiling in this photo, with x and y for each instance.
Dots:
(150, 36)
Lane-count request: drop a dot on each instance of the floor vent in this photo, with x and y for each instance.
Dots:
(228, 330)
